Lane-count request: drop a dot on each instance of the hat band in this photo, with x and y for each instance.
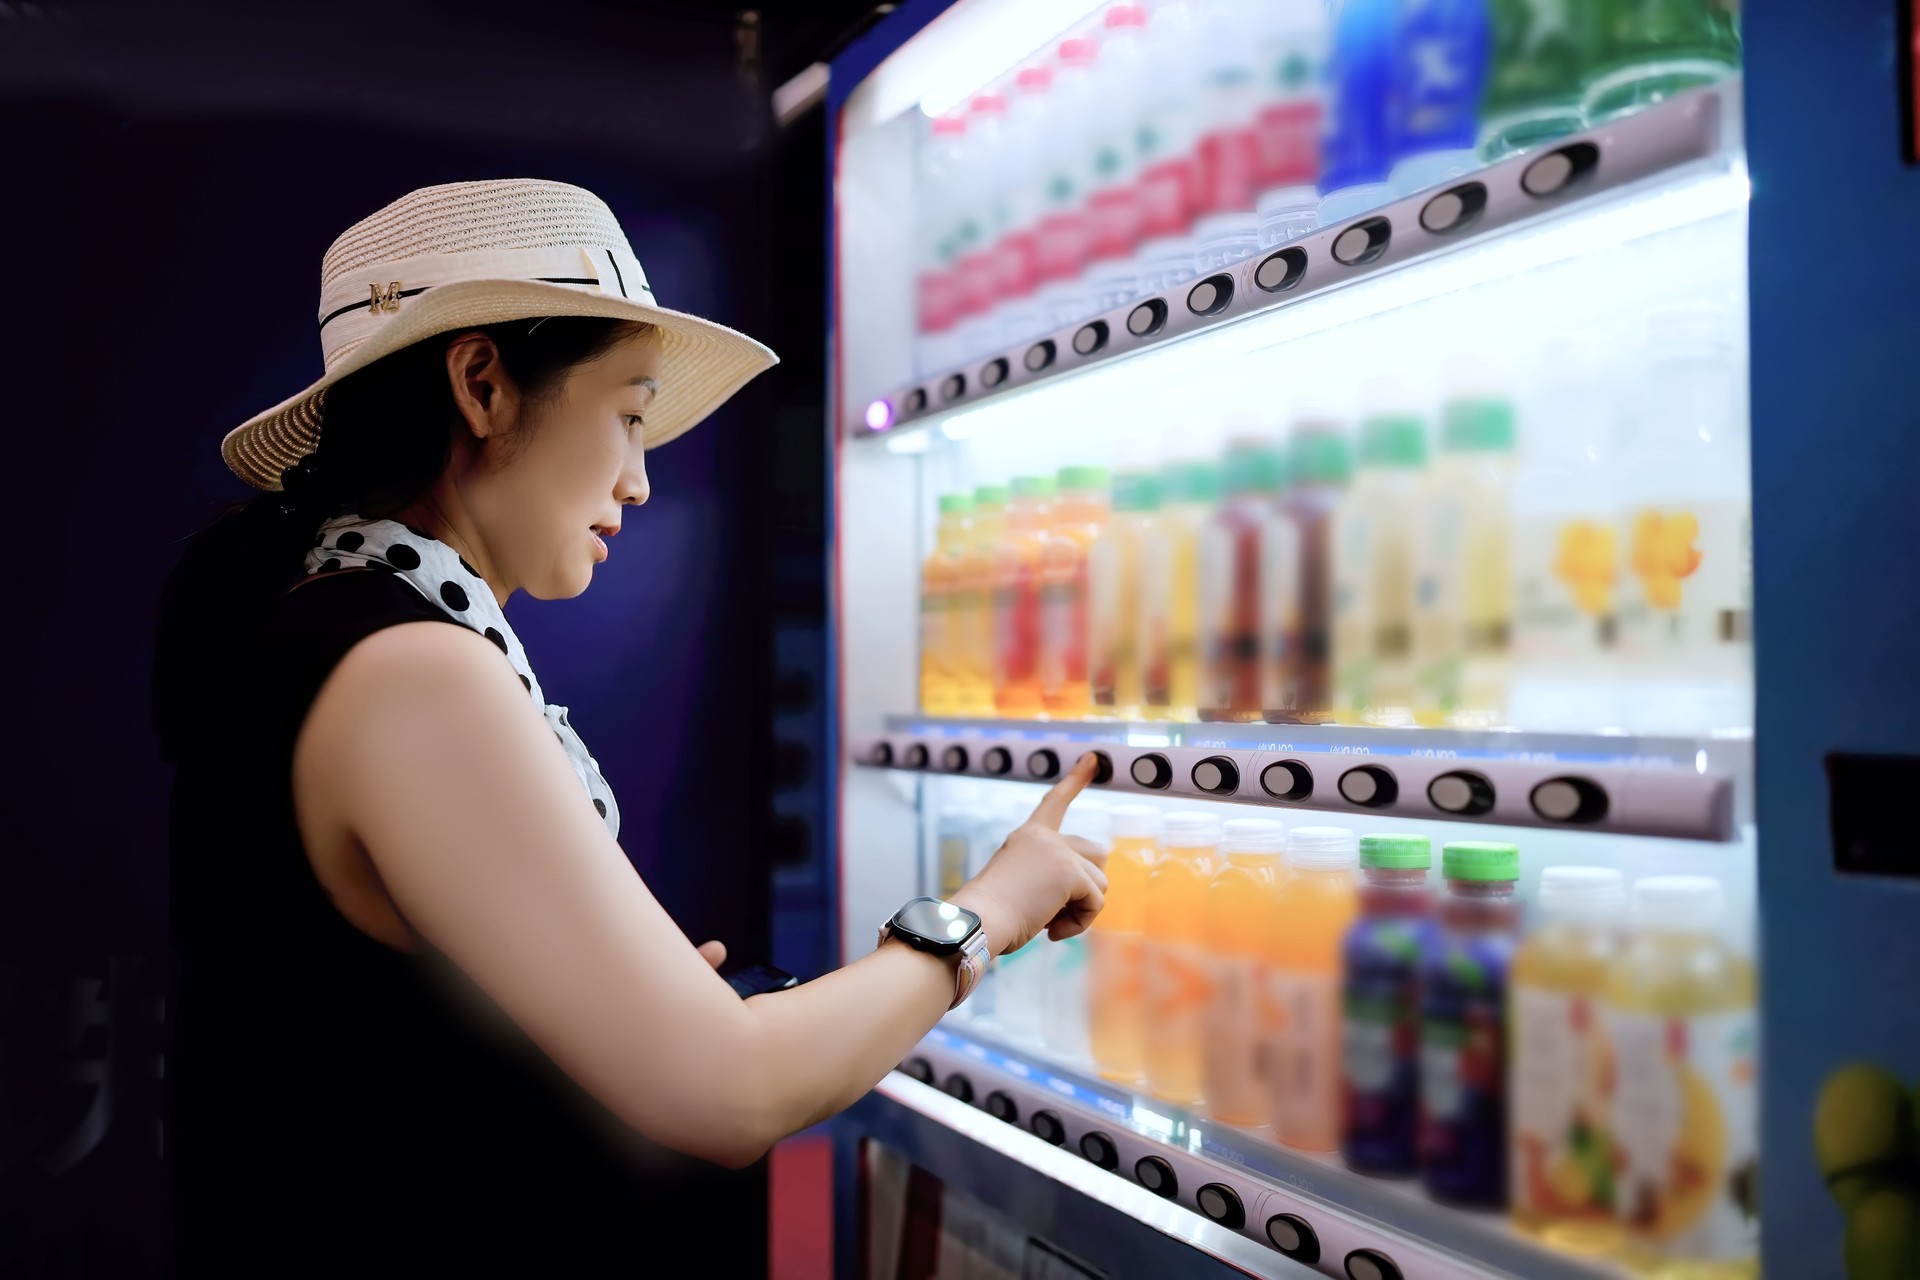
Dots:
(355, 306)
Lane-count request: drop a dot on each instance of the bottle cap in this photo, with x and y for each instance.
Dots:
(1396, 852)
(1254, 466)
(1320, 454)
(1085, 478)
(1133, 492)
(1322, 848)
(1480, 860)
(955, 504)
(1477, 424)
(989, 102)
(1079, 51)
(1127, 15)
(1677, 902)
(1195, 482)
(1033, 486)
(949, 126)
(1393, 440)
(1188, 829)
(1034, 79)
(1136, 822)
(989, 496)
(1587, 894)
(1252, 835)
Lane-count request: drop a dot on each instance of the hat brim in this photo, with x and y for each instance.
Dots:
(703, 365)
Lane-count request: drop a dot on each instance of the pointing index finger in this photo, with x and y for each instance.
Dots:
(1053, 806)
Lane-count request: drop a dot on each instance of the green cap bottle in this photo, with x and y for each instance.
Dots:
(1393, 440)
(1033, 486)
(955, 504)
(1191, 482)
(1135, 492)
(1254, 467)
(1396, 852)
(1480, 860)
(990, 497)
(1477, 424)
(1321, 456)
(1084, 478)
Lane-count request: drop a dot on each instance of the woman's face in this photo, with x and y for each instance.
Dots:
(550, 491)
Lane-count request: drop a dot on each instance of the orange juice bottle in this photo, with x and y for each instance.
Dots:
(1169, 599)
(976, 600)
(1113, 597)
(941, 603)
(1314, 904)
(1116, 1017)
(1016, 598)
(1175, 926)
(1239, 924)
(1079, 516)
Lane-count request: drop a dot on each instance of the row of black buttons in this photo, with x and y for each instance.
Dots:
(1461, 793)
(1448, 213)
(1290, 1233)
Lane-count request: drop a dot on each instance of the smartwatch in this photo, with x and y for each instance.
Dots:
(943, 929)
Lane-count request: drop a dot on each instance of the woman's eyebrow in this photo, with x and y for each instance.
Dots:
(644, 380)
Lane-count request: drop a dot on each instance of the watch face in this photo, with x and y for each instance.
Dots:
(941, 924)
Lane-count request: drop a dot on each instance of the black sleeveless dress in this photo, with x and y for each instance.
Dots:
(339, 1108)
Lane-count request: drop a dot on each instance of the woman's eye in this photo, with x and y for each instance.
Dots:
(635, 420)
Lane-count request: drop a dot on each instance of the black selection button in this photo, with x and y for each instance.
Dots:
(1156, 1175)
(994, 372)
(1039, 356)
(919, 1068)
(916, 400)
(1211, 296)
(1454, 209)
(954, 759)
(1371, 1264)
(1047, 1127)
(1279, 272)
(1152, 771)
(958, 1086)
(1576, 800)
(954, 387)
(1463, 792)
(1043, 764)
(1217, 774)
(1099, 1148)
(1290, 1234)
(1369, 786)
(1287, 780)
(1221, 1203)
(1558, 170)
(1362, 242)
(1102, 768)
(1001, 1106)
(997, 761)
(916, 756)
(1090, 338)
(882, 754)
(1147, 319)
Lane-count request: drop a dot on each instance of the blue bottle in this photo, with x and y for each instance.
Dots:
(1441, 53)
(1355, 160)
(1463, 1027)
(1380, 1007)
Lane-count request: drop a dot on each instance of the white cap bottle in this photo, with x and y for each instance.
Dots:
(1323, 849)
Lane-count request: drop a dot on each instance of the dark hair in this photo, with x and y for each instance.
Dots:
(388, 434)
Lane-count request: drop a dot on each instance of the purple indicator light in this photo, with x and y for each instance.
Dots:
(879, 415)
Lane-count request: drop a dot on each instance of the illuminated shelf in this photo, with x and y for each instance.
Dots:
(1666, 167)
(1686, 788)
(1343, 1210)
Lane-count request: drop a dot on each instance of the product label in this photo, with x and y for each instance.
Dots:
(1463, 1070)
(1218, 635)
(1178, 991)
(1167, 198)
(1060, 249)
(1688, 609)
(1352, 613)
(1281, 555)
(1303, 1055)
(1562, 1157)
(1380, 1044)
(1287, 144)
(1235, 1091)
(1566, 579)
(1110, 637)
(1439, 605)
(938, 300)
(1063, 632)
(1016, 624)
(1017, 264)
(1113, 218)
(1684, 1130)
(1117, 999)
(1229, 163)
(979, 279)
(1441, 68)
(1157, 639)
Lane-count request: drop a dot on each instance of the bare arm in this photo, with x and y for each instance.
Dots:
(451, 780)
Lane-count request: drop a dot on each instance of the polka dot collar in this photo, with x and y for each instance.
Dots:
(435, 570)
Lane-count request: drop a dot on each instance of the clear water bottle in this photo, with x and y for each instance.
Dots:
(1227, 222)
(1292, 43)
(941, 154)
(1022, 181)
(1167, 136)
(1113, 275)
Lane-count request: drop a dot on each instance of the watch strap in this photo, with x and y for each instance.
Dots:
(974, 955)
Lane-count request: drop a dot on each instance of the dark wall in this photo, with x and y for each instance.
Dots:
(172, 180)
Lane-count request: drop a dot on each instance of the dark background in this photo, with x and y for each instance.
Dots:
(172, 176)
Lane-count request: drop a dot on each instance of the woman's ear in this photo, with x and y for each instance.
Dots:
(482, 392)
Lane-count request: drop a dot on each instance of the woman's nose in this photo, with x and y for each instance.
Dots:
(633, 489)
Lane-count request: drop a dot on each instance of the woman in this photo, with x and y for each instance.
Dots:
(424, 1004)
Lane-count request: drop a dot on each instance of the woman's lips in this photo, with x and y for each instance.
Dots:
(599, 548)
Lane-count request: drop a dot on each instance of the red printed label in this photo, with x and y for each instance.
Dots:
(1227, 167)
(1061, 250)
(1016, 617)
(1287, 144)
(936, 301)
(979, 276)
(1114, 223)
(1166, 199)
(1019, 268)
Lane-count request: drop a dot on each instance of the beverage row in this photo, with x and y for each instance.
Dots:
(1592, 1074)
(1170, 140)
(1600, 581)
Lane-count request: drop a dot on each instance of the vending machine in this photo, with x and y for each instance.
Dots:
(1385, 433)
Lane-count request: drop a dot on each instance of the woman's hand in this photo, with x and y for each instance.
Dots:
(1040, 879)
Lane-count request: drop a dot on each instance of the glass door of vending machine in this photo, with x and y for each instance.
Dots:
(1336, 418)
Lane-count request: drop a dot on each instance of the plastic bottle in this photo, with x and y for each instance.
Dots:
(1680, 1023)
(1016, 598)
(980, 267)
(1113, 591)
(1313, 905)
(1168, 138)
(1239, 923)
(1566, 543)
(1230, 582)
(1018, 318)
(1296, 563)
(1686, 615)
(1170, 592)
(975, 685)
(1113, 237)
(1561, 1154)
(1118, 998)
(1226, 225)
(1292, 60)
(1066, 976)
(1061, 252)
(942, 634)
(1374, 573)
(1380, 1003)
(937, 287)
(1463, 1027)
(1079, 516)
(1355, 155)
(1441, 50)
(1463, 612)
(1175, 928)
(1650, 50)
(1539, 68)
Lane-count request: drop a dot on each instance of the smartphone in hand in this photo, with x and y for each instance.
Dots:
(756, 979)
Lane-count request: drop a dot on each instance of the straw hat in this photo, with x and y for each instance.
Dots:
(475, 253)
